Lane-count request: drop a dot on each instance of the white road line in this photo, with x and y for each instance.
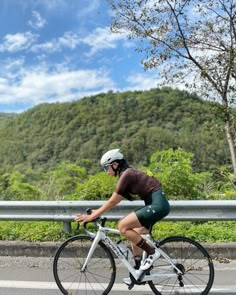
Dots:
(117, 287)
(53, 286)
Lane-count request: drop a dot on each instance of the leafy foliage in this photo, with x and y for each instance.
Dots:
(220, 231)
(140, 123)
(174, 169)
(38, 185)
(62, 181)
(31, 231)
(195, 49)
(52, 152)
(97, 187)
(13, 187)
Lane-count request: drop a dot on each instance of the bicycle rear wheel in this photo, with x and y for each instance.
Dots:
(97, 278)
(194, 262)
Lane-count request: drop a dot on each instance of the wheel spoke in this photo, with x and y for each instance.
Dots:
(194, 263)
(98, 276)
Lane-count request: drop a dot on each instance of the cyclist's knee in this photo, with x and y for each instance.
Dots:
(122, 228)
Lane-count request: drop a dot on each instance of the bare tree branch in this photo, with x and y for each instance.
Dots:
(196, 37)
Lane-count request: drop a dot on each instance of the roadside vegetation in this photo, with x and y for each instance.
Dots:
(52, 152)
(206, 232)
(71, 182)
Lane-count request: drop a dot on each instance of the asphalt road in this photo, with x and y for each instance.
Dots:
(33, 276)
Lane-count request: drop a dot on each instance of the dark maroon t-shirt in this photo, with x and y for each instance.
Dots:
(134, 182)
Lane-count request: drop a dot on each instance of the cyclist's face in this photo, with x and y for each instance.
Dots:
(108, 169)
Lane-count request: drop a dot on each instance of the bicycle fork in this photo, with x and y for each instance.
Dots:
(96, 240)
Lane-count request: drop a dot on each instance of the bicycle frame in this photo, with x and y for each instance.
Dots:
(101, 235)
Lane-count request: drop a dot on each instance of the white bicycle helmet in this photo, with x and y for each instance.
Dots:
(111, 156)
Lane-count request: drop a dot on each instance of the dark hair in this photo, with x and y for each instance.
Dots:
(123, 165)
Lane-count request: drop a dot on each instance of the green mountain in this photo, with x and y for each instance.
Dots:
(139, 122)
(6, 116)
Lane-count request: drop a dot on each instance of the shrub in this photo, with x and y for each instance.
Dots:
(97, 187)
(174, 169)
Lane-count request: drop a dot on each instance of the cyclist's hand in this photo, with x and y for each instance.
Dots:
(82, 218)
(85, 218)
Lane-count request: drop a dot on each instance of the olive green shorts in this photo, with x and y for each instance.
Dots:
(156, 207)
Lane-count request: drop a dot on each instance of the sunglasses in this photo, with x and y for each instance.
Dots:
(106, 167)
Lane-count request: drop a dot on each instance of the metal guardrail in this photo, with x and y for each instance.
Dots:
(64, 211)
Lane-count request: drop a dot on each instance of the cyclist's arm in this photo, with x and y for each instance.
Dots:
(112, 202)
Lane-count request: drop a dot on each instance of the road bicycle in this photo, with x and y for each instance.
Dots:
(86, 264)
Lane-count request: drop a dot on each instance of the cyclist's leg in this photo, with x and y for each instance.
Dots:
(131, 228)
(157, 207)
(137, 252)
(127, 226)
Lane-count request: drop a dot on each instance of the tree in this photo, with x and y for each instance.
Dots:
(62, 180)
(96, 187)
(189, 41)
(14, 187)
(174, 169)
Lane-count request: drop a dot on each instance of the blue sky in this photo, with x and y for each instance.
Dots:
(62, 50)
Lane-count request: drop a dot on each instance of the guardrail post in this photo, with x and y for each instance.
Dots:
(67, 227)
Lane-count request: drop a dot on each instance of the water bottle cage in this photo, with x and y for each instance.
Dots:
(123, 249)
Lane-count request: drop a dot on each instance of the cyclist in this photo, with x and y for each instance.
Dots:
(133, 182)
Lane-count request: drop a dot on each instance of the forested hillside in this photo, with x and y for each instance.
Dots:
(140, 123)
(5, 117)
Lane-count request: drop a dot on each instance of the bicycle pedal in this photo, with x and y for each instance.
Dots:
(181, 284)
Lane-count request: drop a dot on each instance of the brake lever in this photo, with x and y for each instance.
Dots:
(104, 220)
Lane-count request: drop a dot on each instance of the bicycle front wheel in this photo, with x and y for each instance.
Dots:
(194, 262)
(97, 278)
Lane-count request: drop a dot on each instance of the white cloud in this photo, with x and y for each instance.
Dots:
(99, 39)
(142, 81)
(68, 40)
(50, 46)
(37, 22)
(54, 4)
(38, 85)
(3, 84)
(146, 81)
(90, 7)
(17, 42)
(102, 38)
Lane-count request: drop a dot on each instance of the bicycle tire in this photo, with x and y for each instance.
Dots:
(191, 258)
(99, 275)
